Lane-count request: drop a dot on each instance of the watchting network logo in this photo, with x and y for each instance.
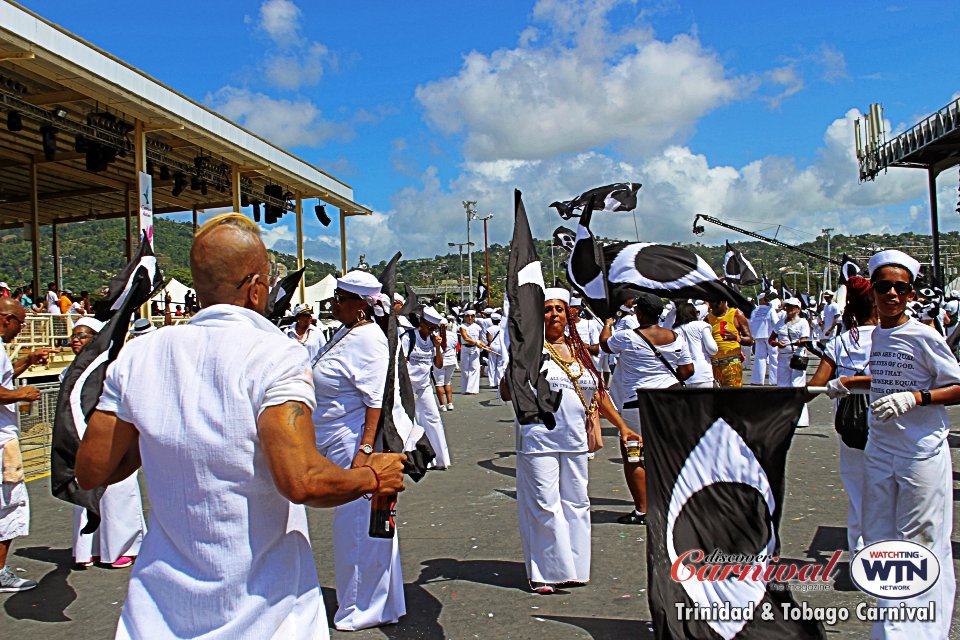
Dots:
(895, 569)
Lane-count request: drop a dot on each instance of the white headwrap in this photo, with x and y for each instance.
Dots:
(556, 293)
(894, 256)
(92, 323)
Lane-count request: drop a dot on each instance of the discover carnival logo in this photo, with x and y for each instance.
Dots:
(895, 569)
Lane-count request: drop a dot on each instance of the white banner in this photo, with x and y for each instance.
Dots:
(146, 206)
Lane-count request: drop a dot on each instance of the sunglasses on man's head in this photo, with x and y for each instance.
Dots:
(883, 287)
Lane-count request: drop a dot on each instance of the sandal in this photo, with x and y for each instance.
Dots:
(633, 518)
(542, 588)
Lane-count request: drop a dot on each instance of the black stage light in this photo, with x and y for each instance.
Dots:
(179, 183)
(48, 135)
(164, 172)
(322, 216)
(194, 183)
(256, 211)
(244, 201)
(14, 121)
(203, 187)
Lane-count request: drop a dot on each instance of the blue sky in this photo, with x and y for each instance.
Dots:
(742, 110)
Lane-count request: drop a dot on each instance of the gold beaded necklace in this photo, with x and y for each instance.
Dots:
(565, 367)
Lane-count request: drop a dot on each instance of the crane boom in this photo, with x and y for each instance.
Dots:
(720, 223)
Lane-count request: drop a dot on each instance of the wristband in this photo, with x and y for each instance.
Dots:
(376, 475)
(925, 397)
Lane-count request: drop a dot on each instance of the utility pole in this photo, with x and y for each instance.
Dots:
(827, 231)
(461, 245)
(486, 251)
(471, 208)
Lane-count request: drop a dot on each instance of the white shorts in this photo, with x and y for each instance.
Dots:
(443, 377)
(14, 510)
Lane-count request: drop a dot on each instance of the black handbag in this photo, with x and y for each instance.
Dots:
(850, 420)
(798, 362)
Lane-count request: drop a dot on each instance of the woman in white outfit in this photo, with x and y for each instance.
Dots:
(117, 540)
(424, 349)
(472, 339)
(790, 334)
(553, 508)
(304, 332)
(493, 358)
(349, 375)
(443, 376)
(699, 337)
(848, 354)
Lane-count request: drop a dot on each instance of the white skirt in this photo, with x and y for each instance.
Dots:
(470, 370)
(428, 417)
(121, 526)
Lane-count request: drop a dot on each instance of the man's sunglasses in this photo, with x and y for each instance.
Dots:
(883, 287)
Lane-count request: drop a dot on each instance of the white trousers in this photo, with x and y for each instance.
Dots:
(761, 372)
(493, 364)
(853, 475)
(369, 580)
(121, 528)
(908, 499)
(428, 417)
(469, 370)
(553, 511)
(787, 377)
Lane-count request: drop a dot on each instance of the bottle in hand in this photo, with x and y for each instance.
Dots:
(383, 513)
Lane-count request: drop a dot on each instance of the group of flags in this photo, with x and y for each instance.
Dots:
(714, 459)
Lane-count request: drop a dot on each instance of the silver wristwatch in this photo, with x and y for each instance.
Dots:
(366, 448)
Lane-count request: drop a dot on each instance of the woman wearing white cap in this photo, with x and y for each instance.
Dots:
(424, 349)
(443, 376)
(909, 480)
(304, 332)
(498, 348)
(553, 507)
(116, 542)
(349, 374)
(472, 339)
(790, 335)
(493, 358)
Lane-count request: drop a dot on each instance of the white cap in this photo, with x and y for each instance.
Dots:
(575, 301)
(488, 310)
(398, 298)
(432, 316)
(792, 302)
(893, 256)
(302, 309)
(828, 293)
(761, 295)
(556, 293)
(4, 285)
(443, 322)
(496, 316)
(470, 312)
(87, 321)
(360, 283)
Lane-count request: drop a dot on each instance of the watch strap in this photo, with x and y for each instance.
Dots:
(924, 397)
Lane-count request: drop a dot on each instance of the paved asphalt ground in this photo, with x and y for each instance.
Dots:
(462, 563)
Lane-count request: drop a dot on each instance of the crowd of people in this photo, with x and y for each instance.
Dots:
(296, 415)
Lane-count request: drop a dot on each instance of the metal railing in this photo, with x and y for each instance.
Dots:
(36, 430)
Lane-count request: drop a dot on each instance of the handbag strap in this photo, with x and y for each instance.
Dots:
(657, 353)
(856, 370)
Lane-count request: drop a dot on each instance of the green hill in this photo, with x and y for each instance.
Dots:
(93, 251)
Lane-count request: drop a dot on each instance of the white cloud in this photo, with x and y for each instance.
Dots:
(286, 123)
(303, 68)
(280, 19)
(271, 236)
(582, 83)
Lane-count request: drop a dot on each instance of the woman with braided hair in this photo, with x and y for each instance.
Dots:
(552, 502)
(848, 354)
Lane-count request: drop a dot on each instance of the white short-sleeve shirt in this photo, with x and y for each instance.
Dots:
(640, 367)
(911, 357)
(9, 430)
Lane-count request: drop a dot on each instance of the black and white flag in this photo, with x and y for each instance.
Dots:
(621, 196)
(83, 383)
(481, 296)
(564, 238)
(534, 402)
(715, 464)
(848, 269)
(585, 268)
(766, 285)
(398, 431)
(281, 295)
(737, 269)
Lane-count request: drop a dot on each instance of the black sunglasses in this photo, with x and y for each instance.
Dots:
(883, 287)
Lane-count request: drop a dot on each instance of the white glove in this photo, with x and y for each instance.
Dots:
(835, 389)
(893, 405)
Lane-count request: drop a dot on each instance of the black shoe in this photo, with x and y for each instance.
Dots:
(633, 518)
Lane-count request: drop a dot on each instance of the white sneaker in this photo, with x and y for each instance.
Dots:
(449, 406)
(591, 456)
(443, 407)
(10, 582)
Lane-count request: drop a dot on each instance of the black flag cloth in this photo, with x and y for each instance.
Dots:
(481, 296)
(564, 238)
(585, 268)
(278, 302)
(621, 196)
(715, 482)
(737, 269)
(533, 400)
(848, 269)
(394, 437)
(83, 383)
